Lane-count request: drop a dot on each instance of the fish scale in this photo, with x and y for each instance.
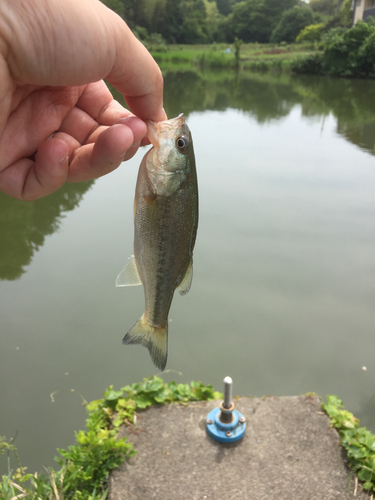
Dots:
(165, 227)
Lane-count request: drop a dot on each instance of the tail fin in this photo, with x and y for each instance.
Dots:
(152, 337)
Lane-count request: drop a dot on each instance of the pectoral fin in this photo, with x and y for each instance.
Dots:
(185, 284)
(129, 275)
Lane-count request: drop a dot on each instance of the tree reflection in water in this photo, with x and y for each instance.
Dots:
(25, 225)
(265, 96)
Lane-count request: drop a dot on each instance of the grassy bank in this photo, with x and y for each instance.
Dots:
(85, 466)
(252, 56)
(345, 52)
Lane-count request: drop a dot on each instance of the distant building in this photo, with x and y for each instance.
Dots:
(362, 9)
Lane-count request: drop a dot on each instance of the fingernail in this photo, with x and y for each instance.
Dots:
(127, 119)
(64, 159)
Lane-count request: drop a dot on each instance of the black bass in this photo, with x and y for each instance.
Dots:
(165, 227)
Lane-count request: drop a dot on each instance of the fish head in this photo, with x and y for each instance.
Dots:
(169, 162)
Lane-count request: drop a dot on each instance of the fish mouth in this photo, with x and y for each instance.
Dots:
(163, 130)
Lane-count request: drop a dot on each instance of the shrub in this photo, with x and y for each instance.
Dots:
(346, 52)
(155, 42)
(335, 51)
(311, 33)
(342, 48)
(310, 65)
(358, 442)
(86, 465)
(367, 55)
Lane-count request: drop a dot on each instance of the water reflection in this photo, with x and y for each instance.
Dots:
(272, 97)
(363, 135)
(283, 292)
(268, 96)
(264, 96)
(24, 225)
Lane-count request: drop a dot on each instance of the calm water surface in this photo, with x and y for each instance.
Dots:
(284, 279)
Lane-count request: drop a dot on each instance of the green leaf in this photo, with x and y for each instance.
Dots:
(154, 385)
(334, 401)
(162, 396)
(172, 386)
(184, 390)
(370, 443)
(368, 485)
(94, 405)
(112, 395)
(143, 401)
(357, 451)
(358, 441)
(85, 466)
(365, 475)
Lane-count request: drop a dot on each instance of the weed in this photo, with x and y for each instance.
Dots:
(358, 442)
(310, 65)
(254, 56)
(85, 466)
(213, 59)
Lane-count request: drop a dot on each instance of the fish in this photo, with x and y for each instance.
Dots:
(165, 229)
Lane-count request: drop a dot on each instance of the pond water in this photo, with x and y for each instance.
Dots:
(283, 293)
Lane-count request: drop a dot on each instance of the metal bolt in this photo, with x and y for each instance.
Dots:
(228, 383)
(242, 420)
(209, 421)
(228, 434)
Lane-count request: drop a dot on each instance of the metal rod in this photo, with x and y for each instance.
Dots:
(228, 383)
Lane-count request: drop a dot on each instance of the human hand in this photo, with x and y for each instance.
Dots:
(58, 120)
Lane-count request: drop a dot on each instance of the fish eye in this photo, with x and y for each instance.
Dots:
(182, 143)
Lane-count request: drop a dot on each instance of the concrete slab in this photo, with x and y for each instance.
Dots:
(287, 453)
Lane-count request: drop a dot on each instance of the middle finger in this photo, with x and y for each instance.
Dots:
(78, 124)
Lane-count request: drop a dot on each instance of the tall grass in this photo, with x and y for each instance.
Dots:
(255, 57)
(216, 60)
(262, 64)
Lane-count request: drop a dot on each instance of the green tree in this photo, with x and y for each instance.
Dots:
(131, 12)
(292, 22)
(214, 20)
(144, 13)
(327, 7)
(254, 20)
(248, 22)
(171, 20)
(178, 21)
(115, 5)
(346, 13)
(224, 6)
(151, 13)
(194, 27)
(311, 33)
(274, 9)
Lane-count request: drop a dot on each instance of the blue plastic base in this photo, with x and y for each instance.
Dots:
(225, 433)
